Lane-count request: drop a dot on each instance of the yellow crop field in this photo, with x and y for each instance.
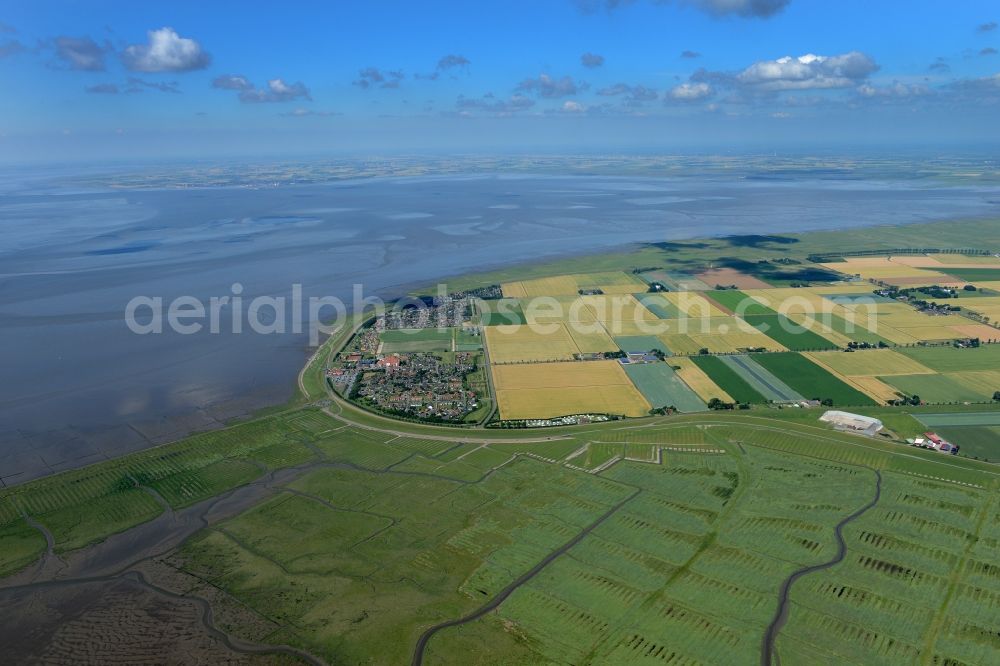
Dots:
(900, 315)
(841, 288)
(546, 310)
(698, 381)
(591, 338)
(791, 301)
(543, 390)
(623, 288)
(981, 331)
(988, 306)
(692, 304)
(880, 362)
(931, 333)
(895, 335)
(613, 282)
(735, 340)
(889, 270)
(618, 311)
(610, 280)
(551, 342)
(512, 290)
(561, 285)
(961, 260)
(626, 328)
(874, 387)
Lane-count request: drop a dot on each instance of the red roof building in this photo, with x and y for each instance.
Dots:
(389, 361)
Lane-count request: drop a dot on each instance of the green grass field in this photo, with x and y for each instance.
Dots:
(961, 419)
(975, 441)
(675, 557)
(503, 312)
(738, 302)
(768, 384)
(783, 330)
(811, 380)
(952, 359)
(933, 388)
(728, 379)
(973, 274)
(417, 340)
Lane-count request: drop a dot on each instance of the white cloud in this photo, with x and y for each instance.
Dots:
(808, 72)
(166, 52)
(276, 91)
(572, 106)
(691, 92)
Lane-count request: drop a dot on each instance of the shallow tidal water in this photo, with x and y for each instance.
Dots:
(79, 385)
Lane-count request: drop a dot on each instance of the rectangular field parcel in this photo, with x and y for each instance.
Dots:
(662, 387)
(542, 390)
(811, 380)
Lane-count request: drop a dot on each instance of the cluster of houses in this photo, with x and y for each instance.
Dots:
(418, 385)
(931, 440)
(437, 312)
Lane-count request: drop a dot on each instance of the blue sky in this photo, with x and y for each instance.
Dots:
(199, 79)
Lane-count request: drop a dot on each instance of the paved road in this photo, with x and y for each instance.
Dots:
(781, 615)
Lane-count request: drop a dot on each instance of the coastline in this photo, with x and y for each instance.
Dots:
(683, 246)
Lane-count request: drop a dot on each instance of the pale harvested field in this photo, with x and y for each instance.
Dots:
(609, 279)
(544, 310)
(862, 362)
(731, 276)
(939, 261)
(525, 343)
(981, 331)
(732, 341)
(694, 305)
(925, 281)
(698, 381)
(841, 288)
(541, 390)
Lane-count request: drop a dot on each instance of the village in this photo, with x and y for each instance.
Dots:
(421, 360)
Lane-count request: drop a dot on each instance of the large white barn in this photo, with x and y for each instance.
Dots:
(864, 425)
